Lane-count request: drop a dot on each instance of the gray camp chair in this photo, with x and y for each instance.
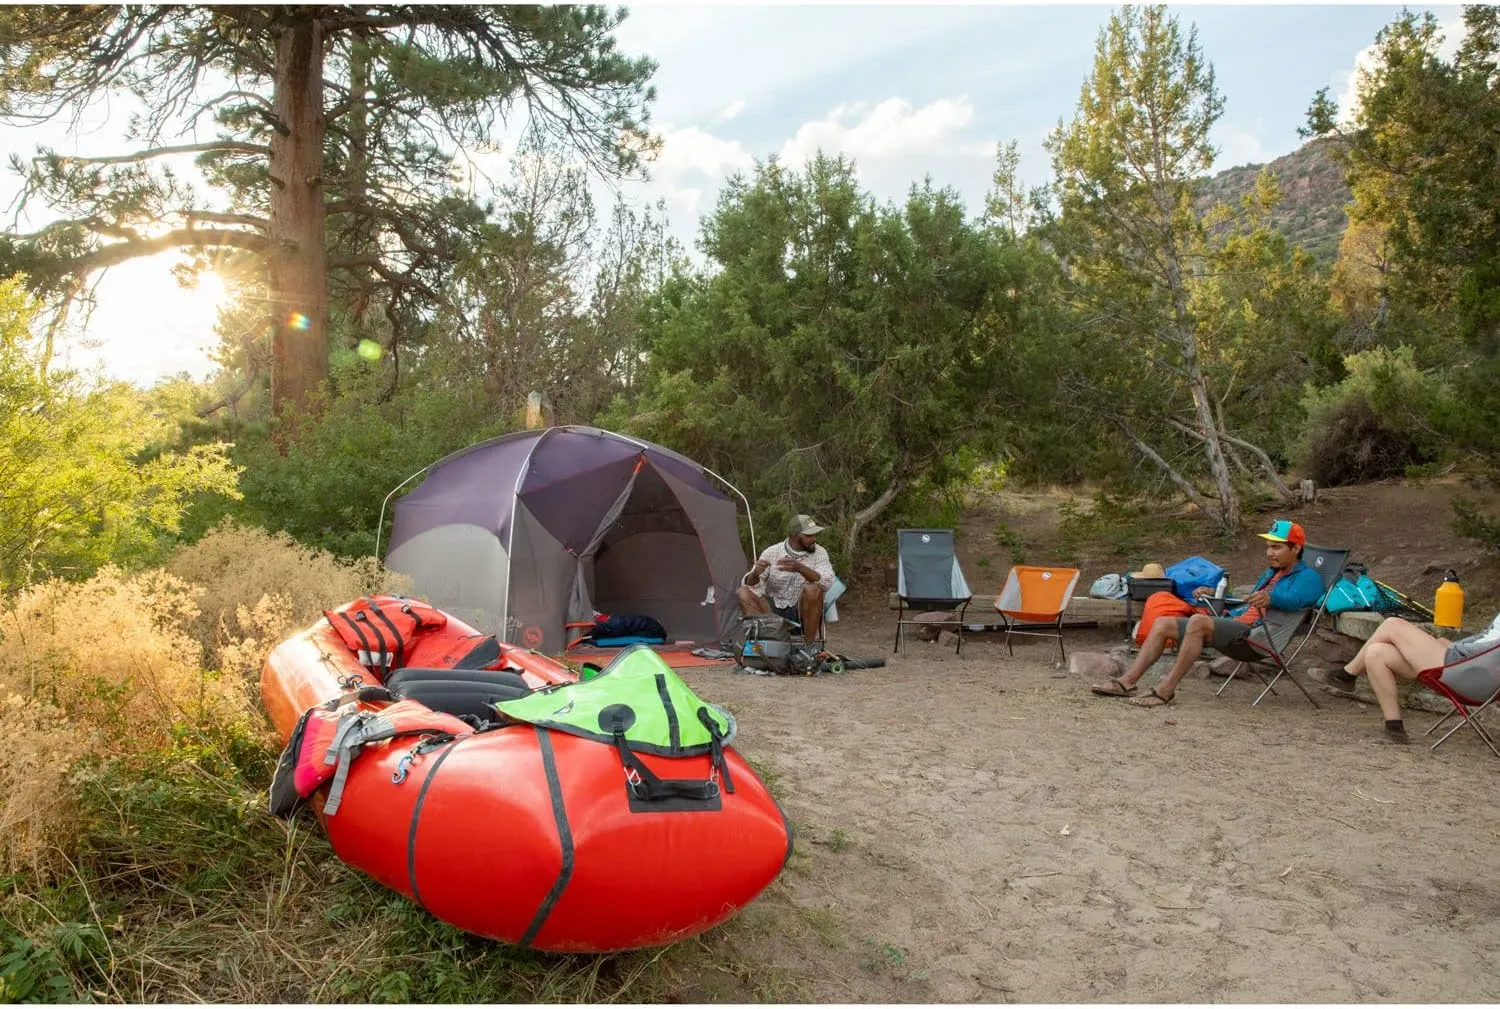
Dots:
(928, 578)
(1471, 686)
(1269, 640)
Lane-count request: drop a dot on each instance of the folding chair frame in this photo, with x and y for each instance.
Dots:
(1038, 628)
(1054, 630)
(931, 602)
(928, 604)
(1283, 665)
(1432, 680)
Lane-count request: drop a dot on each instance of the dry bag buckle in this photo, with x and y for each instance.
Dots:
(410, 757)
(636, 783)
(353, 681)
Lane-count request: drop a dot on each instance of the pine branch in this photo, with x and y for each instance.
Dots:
(120, 252)
(213, 217)
(229, 146)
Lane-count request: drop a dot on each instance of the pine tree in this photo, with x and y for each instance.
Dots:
(337, 129)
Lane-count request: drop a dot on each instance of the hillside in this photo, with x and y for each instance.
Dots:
(1313, 195)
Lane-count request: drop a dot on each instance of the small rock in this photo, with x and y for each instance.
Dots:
(1092, 664)
(947, 639)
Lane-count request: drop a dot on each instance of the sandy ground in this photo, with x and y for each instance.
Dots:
(982, 828)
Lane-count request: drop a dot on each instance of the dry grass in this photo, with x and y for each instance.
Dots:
(146, 867)
(240, 568)
(116, 666)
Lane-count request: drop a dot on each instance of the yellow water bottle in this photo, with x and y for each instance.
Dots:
(1448, 606)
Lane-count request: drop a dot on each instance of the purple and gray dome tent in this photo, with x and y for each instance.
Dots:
(525, 533)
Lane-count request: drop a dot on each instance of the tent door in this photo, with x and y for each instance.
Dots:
(580, 599)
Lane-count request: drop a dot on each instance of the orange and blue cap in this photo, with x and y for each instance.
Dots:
(1285, 531)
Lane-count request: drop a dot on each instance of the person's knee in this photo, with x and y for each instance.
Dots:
(1391, 627)
(813, 593)
(747, 597)
(1200, 625)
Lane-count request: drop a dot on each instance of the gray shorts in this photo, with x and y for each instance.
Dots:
(1226, 631)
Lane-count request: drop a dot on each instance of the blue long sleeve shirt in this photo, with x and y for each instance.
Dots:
(1299, 589)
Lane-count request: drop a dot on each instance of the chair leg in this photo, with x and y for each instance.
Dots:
(1470, 718)
(1433, 727)
(1232, 674)
(1282, 670)
(900, 609)
(1062, 650)
(961, 611)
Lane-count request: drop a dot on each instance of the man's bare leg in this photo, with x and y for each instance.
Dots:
(751, 601)
(1199, 631)
(810, 609)
(1151, 650)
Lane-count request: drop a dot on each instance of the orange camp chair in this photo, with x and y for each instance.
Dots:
(1036, 595)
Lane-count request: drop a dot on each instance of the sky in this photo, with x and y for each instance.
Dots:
(907, 91)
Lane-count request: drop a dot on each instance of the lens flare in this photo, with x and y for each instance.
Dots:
(369, 350)
(298, 321)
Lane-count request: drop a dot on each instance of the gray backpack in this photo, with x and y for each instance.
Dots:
(764, 644)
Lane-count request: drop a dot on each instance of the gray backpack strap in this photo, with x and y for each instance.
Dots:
(353, 734)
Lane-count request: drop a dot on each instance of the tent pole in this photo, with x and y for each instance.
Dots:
(748, 517)
(380, 524)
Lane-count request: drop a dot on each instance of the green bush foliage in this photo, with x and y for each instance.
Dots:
(1376, 422)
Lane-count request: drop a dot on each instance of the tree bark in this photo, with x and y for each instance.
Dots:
(1260, 454)
(1182, 482)
(865, 515)
(1187, 343)
(297, 266)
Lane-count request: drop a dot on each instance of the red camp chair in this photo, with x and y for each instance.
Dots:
(1470, 685)
(1036, 595)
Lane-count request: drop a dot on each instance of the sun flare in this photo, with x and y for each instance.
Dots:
(147, 325)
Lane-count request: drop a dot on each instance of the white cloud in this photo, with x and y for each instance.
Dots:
(1239, 147)
(1366, 61)
(693, 151)
(733, 109)
(890, 128)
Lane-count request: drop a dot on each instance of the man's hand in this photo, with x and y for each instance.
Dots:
(1260, 600)
(787, 564)
(1202, 592)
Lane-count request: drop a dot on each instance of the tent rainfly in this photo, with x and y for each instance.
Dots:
(523, 534)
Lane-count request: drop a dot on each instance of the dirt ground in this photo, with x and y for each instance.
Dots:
(982, 828)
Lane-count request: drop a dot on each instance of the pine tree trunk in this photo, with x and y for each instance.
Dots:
(298, 268)
(1213, 446)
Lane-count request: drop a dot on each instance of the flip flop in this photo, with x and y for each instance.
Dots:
(1122, 691)
(1161, 702)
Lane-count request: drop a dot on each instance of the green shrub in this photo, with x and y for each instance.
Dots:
(1376, 423)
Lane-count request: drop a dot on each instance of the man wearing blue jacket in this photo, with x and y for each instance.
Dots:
(1287, 585)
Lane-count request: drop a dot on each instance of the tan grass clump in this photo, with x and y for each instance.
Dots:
(240, 566)
(37, 800)
(104, 667)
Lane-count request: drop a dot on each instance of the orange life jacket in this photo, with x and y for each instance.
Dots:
(380, 629)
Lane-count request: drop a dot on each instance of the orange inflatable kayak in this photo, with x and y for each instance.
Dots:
(508, 796)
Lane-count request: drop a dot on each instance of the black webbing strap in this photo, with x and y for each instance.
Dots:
(716, 746)
(644, 783)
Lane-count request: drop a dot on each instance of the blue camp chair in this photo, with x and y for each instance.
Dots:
(928, 577)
